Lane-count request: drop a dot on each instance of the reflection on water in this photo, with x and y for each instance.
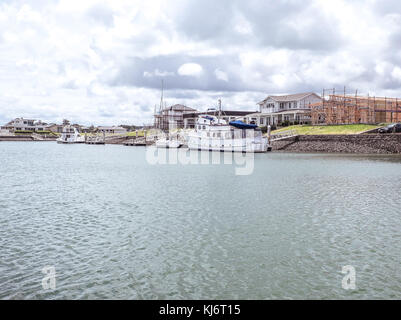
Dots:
(114, 226)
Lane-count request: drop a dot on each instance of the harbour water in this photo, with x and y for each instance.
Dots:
(116, 227)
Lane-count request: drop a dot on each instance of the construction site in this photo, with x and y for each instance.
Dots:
(353, 108)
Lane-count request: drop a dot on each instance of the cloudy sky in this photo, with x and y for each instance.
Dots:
(102, 62)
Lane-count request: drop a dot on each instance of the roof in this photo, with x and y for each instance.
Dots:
(52, 125)
(223, 113)
(264, 114)
(290, 97)
(23, 119)
(180, 107)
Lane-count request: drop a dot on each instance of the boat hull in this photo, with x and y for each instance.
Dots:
(240, 145)
(172, 144)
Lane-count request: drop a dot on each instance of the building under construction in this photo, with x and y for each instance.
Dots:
(352, 109)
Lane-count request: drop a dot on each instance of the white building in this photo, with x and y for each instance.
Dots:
(294, 108)
(21, 124)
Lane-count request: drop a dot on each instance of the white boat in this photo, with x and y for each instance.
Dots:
(214, 134)
(70, 134)
(168, 143)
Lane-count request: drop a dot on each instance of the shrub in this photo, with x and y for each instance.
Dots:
(263, 129)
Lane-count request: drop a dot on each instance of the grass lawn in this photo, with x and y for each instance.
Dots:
(141, 133)
(133, 133)
(337, 129)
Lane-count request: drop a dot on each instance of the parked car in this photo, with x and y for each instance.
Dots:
(395, 127)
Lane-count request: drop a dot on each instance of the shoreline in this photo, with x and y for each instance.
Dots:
(373, 143)
(350, 144)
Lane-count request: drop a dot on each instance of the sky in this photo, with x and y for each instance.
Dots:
(102, 62)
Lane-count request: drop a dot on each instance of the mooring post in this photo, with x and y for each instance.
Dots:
(269, 130)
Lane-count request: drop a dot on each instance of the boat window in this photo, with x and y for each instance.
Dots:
(203, 127)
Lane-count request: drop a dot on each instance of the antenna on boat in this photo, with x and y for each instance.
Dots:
(219, 111)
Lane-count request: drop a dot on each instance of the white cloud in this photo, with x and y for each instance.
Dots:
(157, 73)
(190, 69)
(221, 75)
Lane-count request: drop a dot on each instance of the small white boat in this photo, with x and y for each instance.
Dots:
(70, 134)
(167, 143)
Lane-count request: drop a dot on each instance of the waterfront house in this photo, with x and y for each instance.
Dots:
(56, 128)
(22, 124)
(172, 117)
(293, 108)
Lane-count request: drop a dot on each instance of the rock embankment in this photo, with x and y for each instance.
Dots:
(357, 143)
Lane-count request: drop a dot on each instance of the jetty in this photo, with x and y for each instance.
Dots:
(283, 135)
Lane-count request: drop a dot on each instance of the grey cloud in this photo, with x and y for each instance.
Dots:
(387, 6)
(132, 73)
(274, 24)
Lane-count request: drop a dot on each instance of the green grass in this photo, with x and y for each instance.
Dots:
(337, 129)
(141, 133)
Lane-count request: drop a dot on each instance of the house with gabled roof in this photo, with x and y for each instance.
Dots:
(294, 108)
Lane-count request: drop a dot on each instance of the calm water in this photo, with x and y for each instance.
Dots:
(115, 226)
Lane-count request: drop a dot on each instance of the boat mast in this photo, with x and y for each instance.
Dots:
(219, 111)
(161, 119)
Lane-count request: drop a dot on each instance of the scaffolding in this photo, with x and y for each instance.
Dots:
(353, 109)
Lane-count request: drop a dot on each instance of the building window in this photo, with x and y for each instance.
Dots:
(281, 105)
(262, 121)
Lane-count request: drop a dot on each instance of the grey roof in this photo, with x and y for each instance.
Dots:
(223, 113)
(180, 107)
(290, 97)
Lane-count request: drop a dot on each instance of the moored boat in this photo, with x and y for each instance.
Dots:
(69, 135)
(214, 134)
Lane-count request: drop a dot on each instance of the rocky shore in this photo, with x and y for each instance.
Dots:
(358, 143)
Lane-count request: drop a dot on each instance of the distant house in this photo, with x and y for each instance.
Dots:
(113, 129)
(294, 108)
(56, 128)
(85, 129)
(172, 117)
(21, 124)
